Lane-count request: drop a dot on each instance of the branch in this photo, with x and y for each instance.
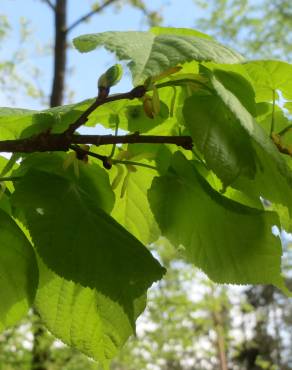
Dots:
(89, 14)
(82, 153)
(49, 142)
(137, 92)
(183, 141)
(106, 161)
(50, 4)
(46, 142)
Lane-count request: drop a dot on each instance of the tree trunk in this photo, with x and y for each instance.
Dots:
(59, 53)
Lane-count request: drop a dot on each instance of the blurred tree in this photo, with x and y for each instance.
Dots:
(12, 81)
(185, 326)
(259, 29)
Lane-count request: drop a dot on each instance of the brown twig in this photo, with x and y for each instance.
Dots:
(107, 161)
(137, 92)
(276, 138)
(82, 153)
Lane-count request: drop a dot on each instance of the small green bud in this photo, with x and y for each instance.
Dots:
(111, 77)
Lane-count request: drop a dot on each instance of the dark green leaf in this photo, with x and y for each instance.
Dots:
(240, 87)
(80, 242)
(219, 136)
(18, 273)
(273, 178)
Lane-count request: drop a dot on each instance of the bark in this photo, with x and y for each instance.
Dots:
(59, 53)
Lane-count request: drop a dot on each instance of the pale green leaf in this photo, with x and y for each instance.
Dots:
(179, 31)
(150, 53)
(268, 76)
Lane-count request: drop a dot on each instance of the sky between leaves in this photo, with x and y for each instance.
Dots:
(87, 67)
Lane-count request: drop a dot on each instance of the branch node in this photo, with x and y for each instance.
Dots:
(107, 163)
(138, 92)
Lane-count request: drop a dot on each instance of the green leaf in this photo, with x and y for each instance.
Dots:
(179, 31)
(84, 318)
(18, 273)
(79, 241)
(288, 106)
(273, 178)
(4, 201)
(92, 180)
(151, 53)
(108, 114)
(138, 120)
(219, 136)
(230, 242)
(14, 121)
(240, 87)
(131, 116)
(21, 123)
(132, 210)
(268, 76)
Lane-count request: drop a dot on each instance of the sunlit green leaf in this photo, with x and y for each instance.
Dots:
(84, 318)
(230, 242)
(268, 76)
(132, 210)
(21, 123)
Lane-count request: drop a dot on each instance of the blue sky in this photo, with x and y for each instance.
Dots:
(86, 67)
